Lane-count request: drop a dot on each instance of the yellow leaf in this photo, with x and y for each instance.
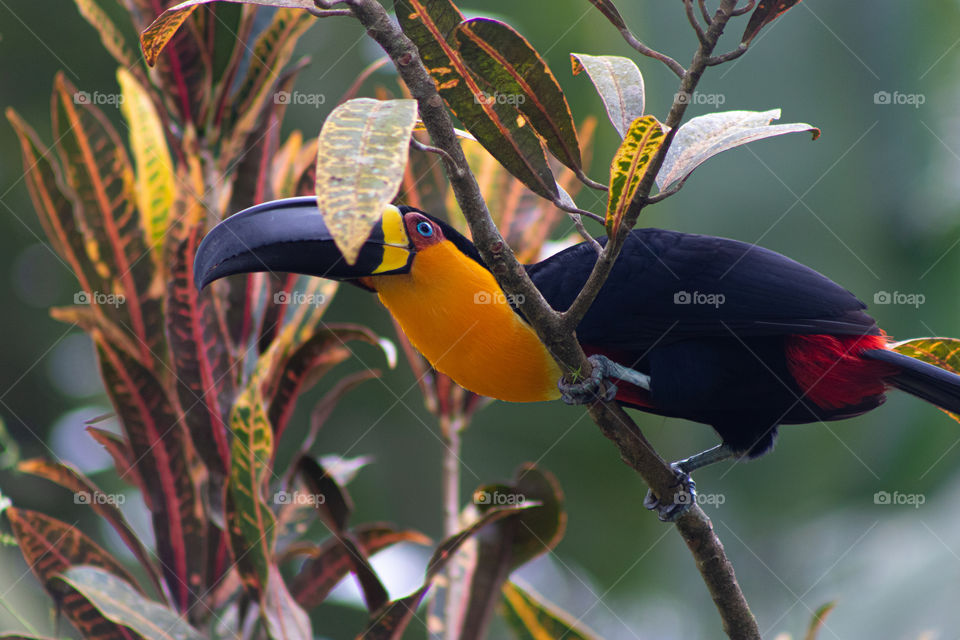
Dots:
(155, 182)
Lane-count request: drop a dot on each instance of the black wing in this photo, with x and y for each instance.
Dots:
(668, 286)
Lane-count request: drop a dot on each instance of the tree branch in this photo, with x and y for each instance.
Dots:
(556, 330)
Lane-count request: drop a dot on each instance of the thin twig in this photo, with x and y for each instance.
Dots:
(419, 146)
(632, 40)
(578, 211)
(663, 195)
(744, 9)
(328, 13)
(706, 14)
(587, 180)
(692, 19)
(582, 230)
(727, 57)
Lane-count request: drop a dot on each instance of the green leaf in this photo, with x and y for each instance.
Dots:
(766, 12)
(86, 492)
(818, 620)
(619, 83)
(160, 446)
(638, 149)
(155, 37)
(119, 450)
(703, 137)
(250, 520)
(331, 561)
(531, 617)
(119, 602)
(54, 209)
(335, 509)
(361, 155)
(50, 547)
(305, 363)
(155, 185)
(517, 74)
(271, 53)
(390, 621)
(110, 36)
(100, 173)
(10, 449)
(184, 74)
(284, 617)
(608, 9)
(941, 352)
(199, 357)
(497, 126)
(512, 542)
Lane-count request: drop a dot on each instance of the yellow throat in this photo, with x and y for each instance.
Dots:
(455, 314)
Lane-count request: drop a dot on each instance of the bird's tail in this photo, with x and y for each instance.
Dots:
(921, 379)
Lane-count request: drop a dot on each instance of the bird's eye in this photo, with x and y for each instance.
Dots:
(425, 229)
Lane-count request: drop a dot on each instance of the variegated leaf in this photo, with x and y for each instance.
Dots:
(118, 601)
(162, 457)
(155, 184)
(619, 83)
(50, 547)
(638, 149)
(361, 155)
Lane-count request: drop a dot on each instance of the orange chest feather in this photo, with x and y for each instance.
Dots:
(456, 315)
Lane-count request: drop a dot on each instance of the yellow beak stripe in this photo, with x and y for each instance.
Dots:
(395, 241)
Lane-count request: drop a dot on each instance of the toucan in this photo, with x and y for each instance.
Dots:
(709, 329)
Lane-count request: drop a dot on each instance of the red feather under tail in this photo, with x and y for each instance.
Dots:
(831, 371)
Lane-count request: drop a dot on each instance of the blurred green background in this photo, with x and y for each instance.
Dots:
(874, 204)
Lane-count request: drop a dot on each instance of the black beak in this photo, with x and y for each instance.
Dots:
(290, 236)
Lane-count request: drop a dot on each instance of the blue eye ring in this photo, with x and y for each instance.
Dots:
(424, 228)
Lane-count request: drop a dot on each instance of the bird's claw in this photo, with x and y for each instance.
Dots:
(594, 387)
(682, 499)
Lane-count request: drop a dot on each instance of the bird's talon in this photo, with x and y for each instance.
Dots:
(682, 499)
(595, 386)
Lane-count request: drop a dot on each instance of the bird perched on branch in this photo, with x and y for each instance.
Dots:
(708, 329)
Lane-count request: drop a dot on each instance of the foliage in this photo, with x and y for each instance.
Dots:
(204, 383)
